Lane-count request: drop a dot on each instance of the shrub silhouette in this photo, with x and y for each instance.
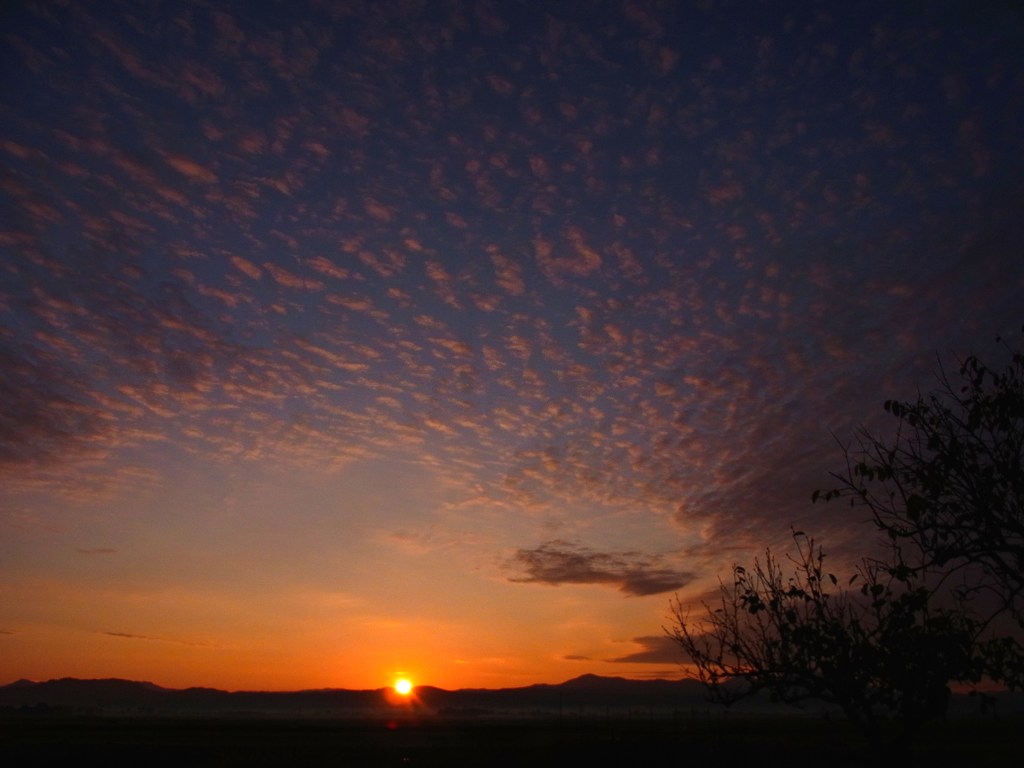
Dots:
(875, 645)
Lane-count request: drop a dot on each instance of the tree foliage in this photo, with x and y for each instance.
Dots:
(874, 645)
(951, 481)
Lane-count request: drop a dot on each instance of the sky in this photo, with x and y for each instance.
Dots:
(343, 340)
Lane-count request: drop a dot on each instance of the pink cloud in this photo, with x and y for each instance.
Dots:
(283, 277)
(247, 267)
(189, 168)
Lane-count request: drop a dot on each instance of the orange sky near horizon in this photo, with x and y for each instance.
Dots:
(308, 638)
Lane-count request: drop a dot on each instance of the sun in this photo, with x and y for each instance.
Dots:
(403, 686)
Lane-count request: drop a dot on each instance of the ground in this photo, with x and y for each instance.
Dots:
(633, 741)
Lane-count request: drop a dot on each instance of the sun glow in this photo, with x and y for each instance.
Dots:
(403, 686)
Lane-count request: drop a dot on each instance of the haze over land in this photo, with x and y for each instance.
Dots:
(450, 339)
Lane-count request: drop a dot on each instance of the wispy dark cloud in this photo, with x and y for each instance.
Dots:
(656, 649)
(96, 550)
(147, 638)
(560, 562)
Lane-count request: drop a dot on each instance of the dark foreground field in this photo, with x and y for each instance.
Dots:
(586, 742)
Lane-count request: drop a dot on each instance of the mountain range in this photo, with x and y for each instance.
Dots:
(128, 696)
(585, 695)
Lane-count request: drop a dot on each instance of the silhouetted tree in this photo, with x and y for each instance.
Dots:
(952, 479)
(949, 488)
(947, 493)
(879, 649)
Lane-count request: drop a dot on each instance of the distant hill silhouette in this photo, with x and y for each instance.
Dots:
(585, 695)
(114, 695)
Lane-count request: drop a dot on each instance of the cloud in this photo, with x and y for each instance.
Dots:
(657, 649)
(560, 562)
(581, 260)
(289, 280)
(244, 265)
(43, 412)
(132, 636)
(95, 551)
(190, 168)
